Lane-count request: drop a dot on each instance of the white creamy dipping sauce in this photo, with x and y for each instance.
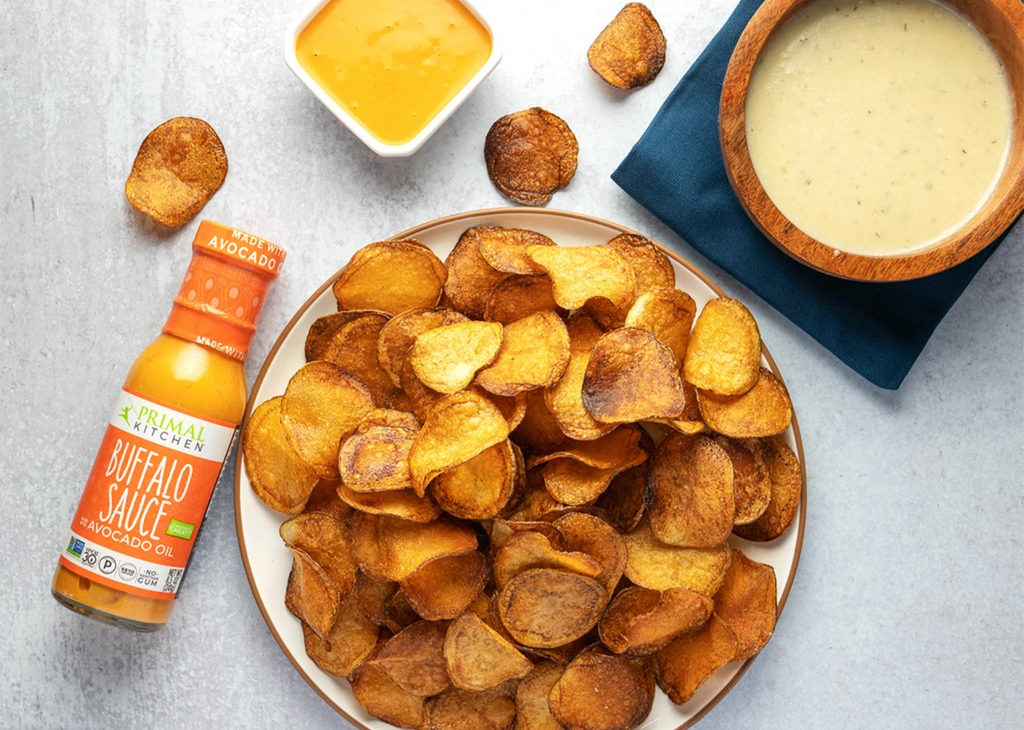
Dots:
(878, 126)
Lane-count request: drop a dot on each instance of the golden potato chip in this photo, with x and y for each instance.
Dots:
(178, 168)
(399, 334)
(640, 622)
(478, 489)
(532, 709)
(478, 658)
(572, 482)
(746, 602)
(421, 398)
(376, 460)
(384, 699)
(403, 503)
(682, 667)
(512, 408)
(651, 267)
(764, 410)
(324, 498)
(446, 358)
(365, 547)
(481, 607)
(399, 613)
(658, 566)
(724, 352)
(751, 483)
(505, 248)
(405, 546)
(630, 51)
(601, 691)
(787, 485)
(414, 659)
(470, 278)
(539, 431)
(623, 501)
(528, 550)
(520, 296)
(389, 418)
(548, 608)
(501, 530)
(537, 504)
(370, 594)
(564, 400)
(322, 405)
(530, 155)
(459, 709)
(325, 540)
(310, 595)
(611, 450)
(689, 492)
(459, 427)
(445, 586)
(346, 645)
(391, 276)
(353, 348)
(323, 330)
(632, 377)
(595, 537)
(534, 353)
(582, 273)
(277, 475)
(668, 315)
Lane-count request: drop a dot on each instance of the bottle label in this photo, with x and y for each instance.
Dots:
(146, 497)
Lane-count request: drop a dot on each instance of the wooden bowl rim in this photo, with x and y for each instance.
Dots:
(943, 254)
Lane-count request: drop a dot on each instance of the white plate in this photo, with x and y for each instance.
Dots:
(267, 561)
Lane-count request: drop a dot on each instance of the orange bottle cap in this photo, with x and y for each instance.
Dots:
(224, 289)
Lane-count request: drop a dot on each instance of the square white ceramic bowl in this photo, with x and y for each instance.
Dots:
(382, 148)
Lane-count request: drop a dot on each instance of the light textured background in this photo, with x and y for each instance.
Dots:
(907, 608)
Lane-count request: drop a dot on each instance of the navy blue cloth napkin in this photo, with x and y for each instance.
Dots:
(676, 172)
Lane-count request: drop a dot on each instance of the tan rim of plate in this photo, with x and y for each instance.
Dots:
(411, 232)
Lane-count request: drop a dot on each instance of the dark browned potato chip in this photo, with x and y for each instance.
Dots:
(353, 348)
(528, 550)
(325, 540)
(365, 547)
(399, 613)
(547, 608)
(630, 52)
(323, 330)
(376, 460)
(746, 602)
(399, 334)
(532, 709)
(470, 278)
(534, 353)
(623, 501)
(405, 546)
(371, 594)
(391, 276)
(640, 621)
(414, 659)
(384, 699)
(346, 645)
(787, 485)
(505, 248)
(595, 537)
(519, 296)
(478, 658)
(276, 473)
(530, 154)
(751, 483)
(764, 410)
(601, 691)
(687, 663)
(539, 431)
(178, 168)
(459, 709)
(445, 586)
(311, 595)
(689, 492)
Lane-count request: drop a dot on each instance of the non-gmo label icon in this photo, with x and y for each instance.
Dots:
(127, 572)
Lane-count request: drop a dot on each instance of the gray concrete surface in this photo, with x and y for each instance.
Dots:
(907, 608)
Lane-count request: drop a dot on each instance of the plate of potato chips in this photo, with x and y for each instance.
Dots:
(520, 468)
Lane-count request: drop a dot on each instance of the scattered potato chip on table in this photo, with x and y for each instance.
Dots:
(630, 52)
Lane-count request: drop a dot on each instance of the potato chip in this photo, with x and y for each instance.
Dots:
(611, 450)
(632, 377)
(399, 334)
(746, 602)
(640, 622)
(322, 405)
(311, 595)
(534, 353)
(353, 348)
(446, 358)
(179, 167)
(658, 566)
(421, 398)
(539, 431)
(528, 550)
(325, 540)
(276, 473)
(548, 608)
(405, 546)
(751, 483)
(459, 709)
(414, 659)
(324, 498)
(601, 691)
(787, 485)
(401, 401)
(630, 51)
(403, 503)
(445, 586)
(384, 699)
(623, 501)
(323, 330)
(537, 504)
(764, 410)
(651, 269)
(501, 530)
(532, 709)
(582, 273)
(399, 613)
(520, 296)
(689, 492)
(370, 594)
(530, 155)
(512, 408)
(386, 417)
(595, 537)
(573, 482)
(459, 427)
(391, 276)
(376, 460)
(682, 667)
(478, 658)
(470, 278)
(505, 248)
(668, 315)
(365, 547)
(479, 488)
(564, 400)
(346, 645)
(724, 352)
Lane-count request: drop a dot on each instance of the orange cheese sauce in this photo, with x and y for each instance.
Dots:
(393, 64)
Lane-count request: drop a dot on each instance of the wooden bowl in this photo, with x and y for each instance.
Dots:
(1002, 23)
